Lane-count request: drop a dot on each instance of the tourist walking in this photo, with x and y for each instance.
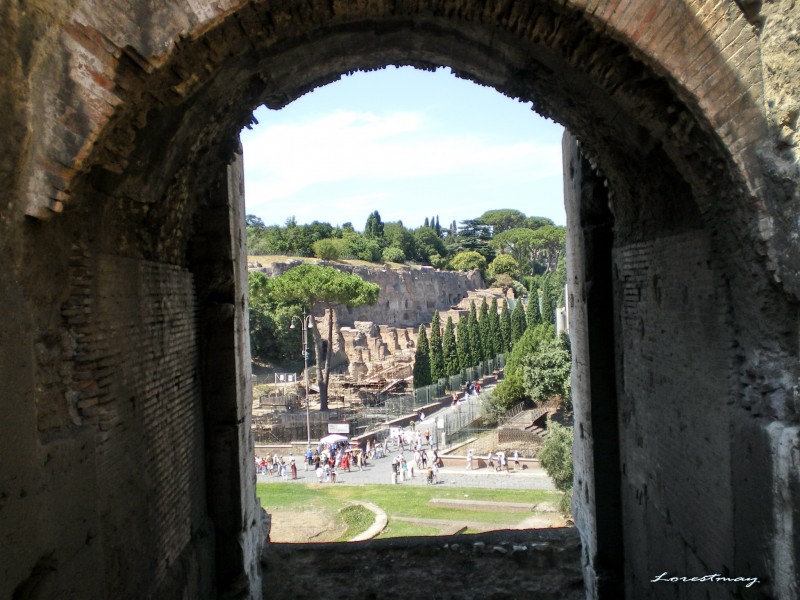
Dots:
(469, 459)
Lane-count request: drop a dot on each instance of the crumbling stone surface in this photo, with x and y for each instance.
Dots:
(507, 564)
(408, 295)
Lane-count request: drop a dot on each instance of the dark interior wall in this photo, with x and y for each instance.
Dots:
(103, 469)
(674, 401)
(596, 503)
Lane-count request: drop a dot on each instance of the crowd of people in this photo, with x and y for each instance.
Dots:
(494, 460)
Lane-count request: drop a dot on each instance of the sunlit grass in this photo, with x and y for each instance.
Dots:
(405, 529)
(402, 501)
(357, 518)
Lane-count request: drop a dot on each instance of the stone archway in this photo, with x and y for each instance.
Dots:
(133, 297)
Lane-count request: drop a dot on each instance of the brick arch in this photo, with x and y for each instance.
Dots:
(107, 58)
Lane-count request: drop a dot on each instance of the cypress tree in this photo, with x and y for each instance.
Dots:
(532, 315)
(435, 343)
(486, 330)
(426, 223)
(462, 344)
(549, 302)
(517, 322)
(475, 346)
(505, 327)
(449, 349)
(422, 360)
(496, 333)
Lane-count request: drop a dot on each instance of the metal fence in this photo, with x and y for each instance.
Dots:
(429, 394)
(288, 422)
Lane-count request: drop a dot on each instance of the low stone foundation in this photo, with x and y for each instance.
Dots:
(541, 564)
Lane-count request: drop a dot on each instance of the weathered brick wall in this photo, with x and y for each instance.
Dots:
(674, 417)
(136, 383)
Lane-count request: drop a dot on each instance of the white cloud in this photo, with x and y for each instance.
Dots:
(286, 160)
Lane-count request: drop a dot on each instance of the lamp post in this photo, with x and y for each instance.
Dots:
(306, 324)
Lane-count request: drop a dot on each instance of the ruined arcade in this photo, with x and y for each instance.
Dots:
(126, 464)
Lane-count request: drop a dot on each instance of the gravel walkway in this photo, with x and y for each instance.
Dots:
(380, 471)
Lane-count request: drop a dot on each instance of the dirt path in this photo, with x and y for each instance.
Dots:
(300, 526)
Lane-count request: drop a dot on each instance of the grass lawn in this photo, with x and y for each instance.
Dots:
(396, 501)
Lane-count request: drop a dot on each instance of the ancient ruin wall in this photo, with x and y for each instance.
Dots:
(408, 296)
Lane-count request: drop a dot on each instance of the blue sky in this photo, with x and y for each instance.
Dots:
(408, 143)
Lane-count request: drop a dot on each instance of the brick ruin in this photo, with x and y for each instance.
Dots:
(126, 466)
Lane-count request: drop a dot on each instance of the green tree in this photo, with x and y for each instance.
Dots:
(475, 342)
(393, 254)
(505, 327)
(450, 349)
(422, 360)
(546, 373)
(474, 235)
(511, 389)
(395, 235)
(502, 219)
(537, 222)
(518, 324)
(374, 226)
(327, 249)
(436, 350)
(468, 260)
(362, 248)
(485, 326)
(549, 298)
(548, 245)
(463, 344)
(322, 288)
(517, 243)
(496, 333)
(270, 335)
(254, 222)
(504, 264)
(532, 316)
(428, 244)
(556, 458)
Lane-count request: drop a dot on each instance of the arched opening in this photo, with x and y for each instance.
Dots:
(150, 233)
(411, 145)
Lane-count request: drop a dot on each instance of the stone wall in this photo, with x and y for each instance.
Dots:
(408, 295)
(543, 564)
